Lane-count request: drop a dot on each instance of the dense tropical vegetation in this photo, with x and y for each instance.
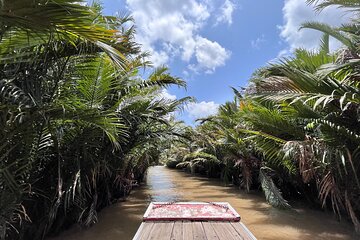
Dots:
(295, 130)
(78, 122)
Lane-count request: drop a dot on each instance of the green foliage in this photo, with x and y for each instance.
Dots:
(78, 123)
(296, 128)
(272, 193)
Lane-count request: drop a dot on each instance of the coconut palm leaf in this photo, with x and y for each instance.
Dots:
(333, 32)
(272, 193)
(320, 5)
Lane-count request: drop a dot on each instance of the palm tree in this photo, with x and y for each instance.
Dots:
(297, 125)
(320, 97)
(74, 113)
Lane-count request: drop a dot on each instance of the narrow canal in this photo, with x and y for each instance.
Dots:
(120, 221)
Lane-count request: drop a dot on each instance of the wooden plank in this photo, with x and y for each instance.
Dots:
(187, 231)
(198, 231)
(143, 231)
(193, 230)
(177, 232)
(243, 230)
(138, 232)
(209, 231)
(231, 231)
(161, 231)
(225, 231)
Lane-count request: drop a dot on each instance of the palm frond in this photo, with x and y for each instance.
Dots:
(350, 4)
(272, 193)
(333, 32)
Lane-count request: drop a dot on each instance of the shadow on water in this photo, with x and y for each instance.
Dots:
(120, 221)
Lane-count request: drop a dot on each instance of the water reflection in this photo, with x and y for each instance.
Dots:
(161, 186)
(120, 221)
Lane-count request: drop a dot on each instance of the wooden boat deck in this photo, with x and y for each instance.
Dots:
(192, 220)
(187, 230)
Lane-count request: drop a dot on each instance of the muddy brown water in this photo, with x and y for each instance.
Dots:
(120, 221)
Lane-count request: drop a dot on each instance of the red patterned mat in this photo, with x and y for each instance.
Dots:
(193, 211)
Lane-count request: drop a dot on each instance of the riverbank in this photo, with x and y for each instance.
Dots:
(121, 220)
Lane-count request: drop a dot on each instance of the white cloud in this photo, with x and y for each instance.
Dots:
(256, 44)
(202, 109)
(283, 54)
(296, 12)
(159, 58)
(209, 55)
(225, 15)
(164, 94)
(170, 29)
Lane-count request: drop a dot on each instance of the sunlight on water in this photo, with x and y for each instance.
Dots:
(120, 221)
(162, 188)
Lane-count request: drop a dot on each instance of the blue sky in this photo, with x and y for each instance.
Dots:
(215, 44)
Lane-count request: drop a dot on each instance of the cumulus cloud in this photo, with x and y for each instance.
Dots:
(159, 58)
(296, 12)
(202, 109)
(164, 94)
(226, 12)
(171, 28)
(209, 55)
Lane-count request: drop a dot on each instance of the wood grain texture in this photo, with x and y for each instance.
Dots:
(198, 231)
(243, 231)
(209, 231)
(144, 231)
(177, 233)
(225, 232)
(161, 231)
(187, 230)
